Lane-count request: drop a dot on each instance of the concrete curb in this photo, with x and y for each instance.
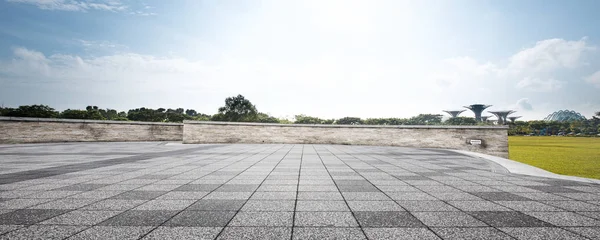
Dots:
(521, 168)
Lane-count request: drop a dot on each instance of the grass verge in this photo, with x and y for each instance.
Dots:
(574, 156)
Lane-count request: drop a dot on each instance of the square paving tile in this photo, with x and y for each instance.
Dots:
(594, 215)
(411, 196)
(228, 195)
(426, 206)
(140, 218)
(112, 232)
(565, 219)
(64, 203)
(165, 205)
(573, 205)
(527, 206)
(273, 196)
(81, 217)
(321, 206)
(590, 232)
(500, 196)
(22, 203)
(201, 219)
(277, 188)
(541, 233)
(262, 219)
(317, 188)
(256, 233)
(449, 196)
(478, 206)
(358, 188)
(113, 204)
(509, 219)
(387, 219)
(43, 232)
(29, 216)
(365, 196)
(374, 206)
(139, 195)
(400, 233)
(554, 189)
(81, 187)
(9, 228)
(161, 233)
(268, 205)
(318, 233)
(323, 196)
(197, 187)
(460, 233)
(237, 188)
(183, 195)
(325, 219)
(218, 205)
(448, 219)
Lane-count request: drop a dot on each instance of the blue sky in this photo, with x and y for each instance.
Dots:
(323, 58)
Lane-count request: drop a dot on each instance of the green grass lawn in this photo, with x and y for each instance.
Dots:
(574, 156)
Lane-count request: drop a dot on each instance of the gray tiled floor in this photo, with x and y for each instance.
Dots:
(175, 191)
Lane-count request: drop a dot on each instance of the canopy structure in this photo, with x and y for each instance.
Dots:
(477, 109)
(502, 115)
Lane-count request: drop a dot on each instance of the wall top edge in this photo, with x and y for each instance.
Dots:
(346, 126)
(61, 120)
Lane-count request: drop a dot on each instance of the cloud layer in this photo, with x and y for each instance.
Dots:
(339, 86)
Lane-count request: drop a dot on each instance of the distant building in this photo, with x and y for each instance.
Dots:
(564, 116)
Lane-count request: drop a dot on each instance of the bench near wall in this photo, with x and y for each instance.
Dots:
(493, 139)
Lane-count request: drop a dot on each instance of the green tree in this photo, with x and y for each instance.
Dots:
(35, 111)
(74, 114)
(147, 115)
(349, 121)
(4, 111)
(191, 112)
(93, 112)
(303, 119)
(461, 121)
(109, 114)
(425, 119)
(266, 118)
(237, 109)
(176, 115)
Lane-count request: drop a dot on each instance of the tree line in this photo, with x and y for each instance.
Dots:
(239, 109)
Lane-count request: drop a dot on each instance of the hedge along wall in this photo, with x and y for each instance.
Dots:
(43, 130)
(491, 140)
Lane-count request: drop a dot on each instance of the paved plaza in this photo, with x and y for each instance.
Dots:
(158, 190)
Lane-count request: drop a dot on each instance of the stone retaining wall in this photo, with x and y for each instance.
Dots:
(43, 130)
(493, 139)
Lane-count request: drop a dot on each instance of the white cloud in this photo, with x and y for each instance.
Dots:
(537, 67)
(302, 85)
(471, 66)
(84, 6)
(539, 85)
(73, 5)
(549, 55)
(524, 104)
(593, 79)
(461, 71)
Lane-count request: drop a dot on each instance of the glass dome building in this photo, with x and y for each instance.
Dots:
(564, 116)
